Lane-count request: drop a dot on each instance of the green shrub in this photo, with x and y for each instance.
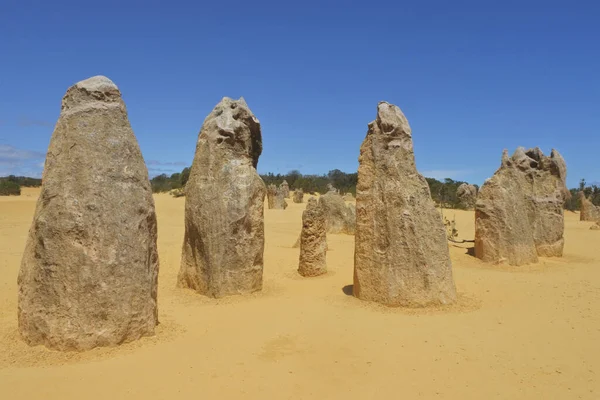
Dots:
(9, 188)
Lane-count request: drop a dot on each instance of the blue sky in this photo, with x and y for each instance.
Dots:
(472, 77)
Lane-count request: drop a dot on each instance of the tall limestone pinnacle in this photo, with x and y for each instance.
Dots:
(401, 251)
(224, 227)
(89, 272)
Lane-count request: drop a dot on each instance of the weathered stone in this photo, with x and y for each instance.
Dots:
(313, 241)
(588, 212)
(349, 197)
(298, 196)
(401, 252)
(467, 196)
(224, 227)
(285, 188)
(595, 227)
(271, 193)
(89, 272)
(519, 211)
(332, 189)
(279, 202)
(341, 218)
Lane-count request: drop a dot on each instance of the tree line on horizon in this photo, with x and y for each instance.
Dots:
(442, 192)
(11, 185)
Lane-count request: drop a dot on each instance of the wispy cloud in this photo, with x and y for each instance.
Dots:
(27, 122)
(440, 174)
(15, 161)
(167, 163)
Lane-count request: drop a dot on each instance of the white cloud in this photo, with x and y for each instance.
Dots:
(167, 163)
(15, 161)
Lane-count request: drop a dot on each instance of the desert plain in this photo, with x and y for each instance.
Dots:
(529, 332)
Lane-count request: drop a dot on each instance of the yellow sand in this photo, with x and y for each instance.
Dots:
(516, 333)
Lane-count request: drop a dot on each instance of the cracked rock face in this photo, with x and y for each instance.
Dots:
(519, 211)
(401, 251)
(224, 227)
(89, 272)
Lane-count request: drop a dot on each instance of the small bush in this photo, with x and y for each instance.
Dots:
(9, 188)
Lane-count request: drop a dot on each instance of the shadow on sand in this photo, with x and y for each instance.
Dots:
(348, 290)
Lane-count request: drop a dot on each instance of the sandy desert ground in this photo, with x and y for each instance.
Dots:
(516, 333)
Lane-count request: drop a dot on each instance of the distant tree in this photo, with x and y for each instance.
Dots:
(23, 181)
(9, 188)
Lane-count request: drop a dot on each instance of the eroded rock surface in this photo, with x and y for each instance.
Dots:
(224, 227)
(271, 193)
(298, 196)
(279, 202)
(588, 212)
(341, 218)
(519, 211)
(467, 196)
(401, 252)
(285, 188)
(89, 272)
(313, 241)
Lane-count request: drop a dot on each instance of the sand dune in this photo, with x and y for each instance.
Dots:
(516, 333)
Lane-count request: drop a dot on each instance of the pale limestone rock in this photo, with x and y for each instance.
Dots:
(519, 211)
(224, 227)
(401, 252)
(313, 241)
(89, 272)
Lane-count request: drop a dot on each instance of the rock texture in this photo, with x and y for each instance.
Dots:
(313, 241)
(89, 272)
(224, 227)
(271, 193)
(285, 188)
(401, 252)
(595, 227)
(519, 211)
(341, 218)
(588, 212)
(298, 196)
(279, 202)
(332, 189)
(349, 197)
(467, 196)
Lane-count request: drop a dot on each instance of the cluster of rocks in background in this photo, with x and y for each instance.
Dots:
(519, 211)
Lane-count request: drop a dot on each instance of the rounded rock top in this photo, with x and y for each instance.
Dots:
(97, 83)
(91, 92)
